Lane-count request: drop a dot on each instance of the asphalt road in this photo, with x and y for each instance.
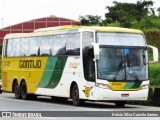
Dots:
(94, 110)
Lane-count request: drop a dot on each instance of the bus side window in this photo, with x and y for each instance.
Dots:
(73, 44)
(15, 50)
(9, 48)
(4, 47)
(88, 63)
(46, 45)
(59, 45)
(34, 45)
(24, 46)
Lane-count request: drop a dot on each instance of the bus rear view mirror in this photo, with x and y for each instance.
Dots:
(96, 50)
(155, 54)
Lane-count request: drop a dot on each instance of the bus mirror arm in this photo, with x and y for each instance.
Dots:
(96, 51)
(155, 54)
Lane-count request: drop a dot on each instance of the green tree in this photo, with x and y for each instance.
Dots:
(158, 11)
(142, 9)
(83, 20)
(90, 20)
(152, 12)
(125, 12)
(124, 19)
(121, 12)
(94, 19)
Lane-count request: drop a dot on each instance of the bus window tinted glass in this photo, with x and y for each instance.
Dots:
(88, 63)
(87, 39)
(46, 45)
(73, 44)
(34, 46)
(59, 44)
(24, 46)
(9, 48)
(15, 48)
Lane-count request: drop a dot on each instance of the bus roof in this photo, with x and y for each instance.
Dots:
(64, 29)
(96, 28)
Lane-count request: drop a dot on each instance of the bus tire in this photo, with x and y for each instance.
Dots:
(24, 90)
(120, 104)
(17, 90)
(75, 96)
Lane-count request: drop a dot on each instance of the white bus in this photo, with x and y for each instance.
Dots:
(77, 62)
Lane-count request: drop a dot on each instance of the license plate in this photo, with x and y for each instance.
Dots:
(124, 95)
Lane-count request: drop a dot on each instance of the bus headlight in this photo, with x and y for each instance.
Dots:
(104, 86)
(144, 87)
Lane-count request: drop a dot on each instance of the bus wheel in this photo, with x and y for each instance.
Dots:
(120, 104)
(17, 90)
(75, 96)
(24, 90)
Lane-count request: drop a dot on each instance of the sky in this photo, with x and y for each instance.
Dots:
(17, 11)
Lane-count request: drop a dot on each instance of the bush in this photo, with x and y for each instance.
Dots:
(154, 74)
(153, 37)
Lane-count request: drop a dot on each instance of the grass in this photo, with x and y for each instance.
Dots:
(154, 74)
(116, 24)
(146, 23)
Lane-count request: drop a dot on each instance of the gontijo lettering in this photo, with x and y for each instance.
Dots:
(30, 63)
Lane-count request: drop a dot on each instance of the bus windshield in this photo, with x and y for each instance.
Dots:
(122, 62)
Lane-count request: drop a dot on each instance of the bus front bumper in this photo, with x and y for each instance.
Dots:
(99, 94)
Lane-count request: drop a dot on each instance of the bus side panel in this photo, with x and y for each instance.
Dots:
(30, 69)
(9, 73)
(52, 77)
(59, 73)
